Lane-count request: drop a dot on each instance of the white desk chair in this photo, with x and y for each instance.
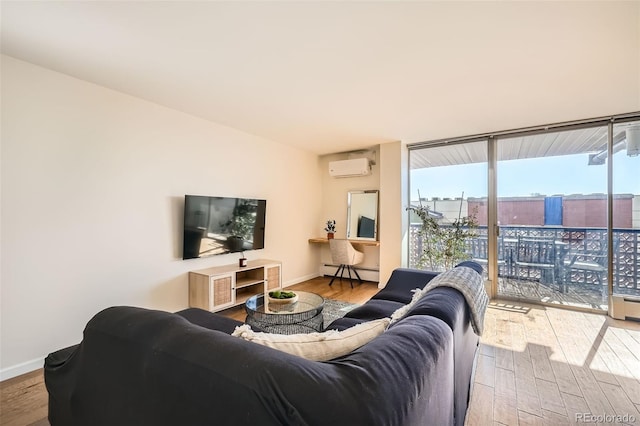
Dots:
(343, 254)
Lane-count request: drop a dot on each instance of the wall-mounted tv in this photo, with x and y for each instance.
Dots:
(220, 225)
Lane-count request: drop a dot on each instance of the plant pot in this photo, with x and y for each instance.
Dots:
(235, 243)
(287, 301)
(329, 235)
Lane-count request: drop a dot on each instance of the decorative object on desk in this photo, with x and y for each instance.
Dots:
(242, 262)
(443, 244)
(330, 228)
(282, 297)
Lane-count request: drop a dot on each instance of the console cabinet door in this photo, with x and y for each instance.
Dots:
(210, 292)
(273, 277)
(221, 291)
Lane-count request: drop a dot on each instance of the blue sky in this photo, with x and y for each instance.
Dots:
(567, 174)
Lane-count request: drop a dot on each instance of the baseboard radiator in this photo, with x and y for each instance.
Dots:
(367, 274)
(624, 307)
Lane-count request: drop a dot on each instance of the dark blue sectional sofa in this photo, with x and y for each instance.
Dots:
(143, 367)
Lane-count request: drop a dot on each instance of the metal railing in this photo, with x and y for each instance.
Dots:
(626, 256)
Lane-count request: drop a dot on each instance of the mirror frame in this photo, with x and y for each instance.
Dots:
(350, 196)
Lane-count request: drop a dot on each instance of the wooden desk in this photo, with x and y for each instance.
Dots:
(354, 242)
(368, 269)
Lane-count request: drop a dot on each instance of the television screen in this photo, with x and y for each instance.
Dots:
(220, 225)
(366, 227)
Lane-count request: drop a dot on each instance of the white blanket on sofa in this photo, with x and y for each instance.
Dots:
(471, 285)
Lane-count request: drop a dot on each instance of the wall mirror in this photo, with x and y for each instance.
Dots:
(362, 215)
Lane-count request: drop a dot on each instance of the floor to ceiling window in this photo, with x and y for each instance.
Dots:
(626, 209)
(449, 184)
(564, 226)
(552, 213)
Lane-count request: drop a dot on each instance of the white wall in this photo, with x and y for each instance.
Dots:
(390, 177)
(334, 206)
(393, 203)
(92, 194)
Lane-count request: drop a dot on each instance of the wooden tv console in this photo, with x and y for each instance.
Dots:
(222, 287)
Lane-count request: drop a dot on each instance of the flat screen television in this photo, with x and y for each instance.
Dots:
(221, 225)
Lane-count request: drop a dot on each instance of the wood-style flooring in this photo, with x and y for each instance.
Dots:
(536, 366)
(24, 400)
(548, 366)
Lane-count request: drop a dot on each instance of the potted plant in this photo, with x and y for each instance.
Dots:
(443, 245)
(241, 226)
(330, 228)
(281, 296)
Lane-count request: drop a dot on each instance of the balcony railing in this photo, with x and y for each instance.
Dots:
(626, 256)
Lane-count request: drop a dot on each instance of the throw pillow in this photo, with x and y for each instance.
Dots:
(317, 346)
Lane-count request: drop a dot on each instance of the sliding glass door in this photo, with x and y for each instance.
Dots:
(555, 209)
(552, 213)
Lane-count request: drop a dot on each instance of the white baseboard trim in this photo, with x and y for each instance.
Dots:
(300, 279)
(20, 369)
(365, 273)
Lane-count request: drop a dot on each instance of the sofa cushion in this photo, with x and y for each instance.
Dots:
(374, 309)
(402, 282)
(402, 311)
(344, 323)
(317, 346)
(442, 303)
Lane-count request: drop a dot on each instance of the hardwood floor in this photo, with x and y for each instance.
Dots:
(24, 400)
(536, 365)
(539, 365)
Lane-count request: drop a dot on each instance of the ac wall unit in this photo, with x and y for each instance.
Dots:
(349, 168)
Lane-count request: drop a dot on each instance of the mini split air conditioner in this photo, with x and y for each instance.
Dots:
(349, 168)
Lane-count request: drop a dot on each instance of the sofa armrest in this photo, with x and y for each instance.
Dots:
(58, 358)
(473, 265)
(210, 320)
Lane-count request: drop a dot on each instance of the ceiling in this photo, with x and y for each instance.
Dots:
(332, 76)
